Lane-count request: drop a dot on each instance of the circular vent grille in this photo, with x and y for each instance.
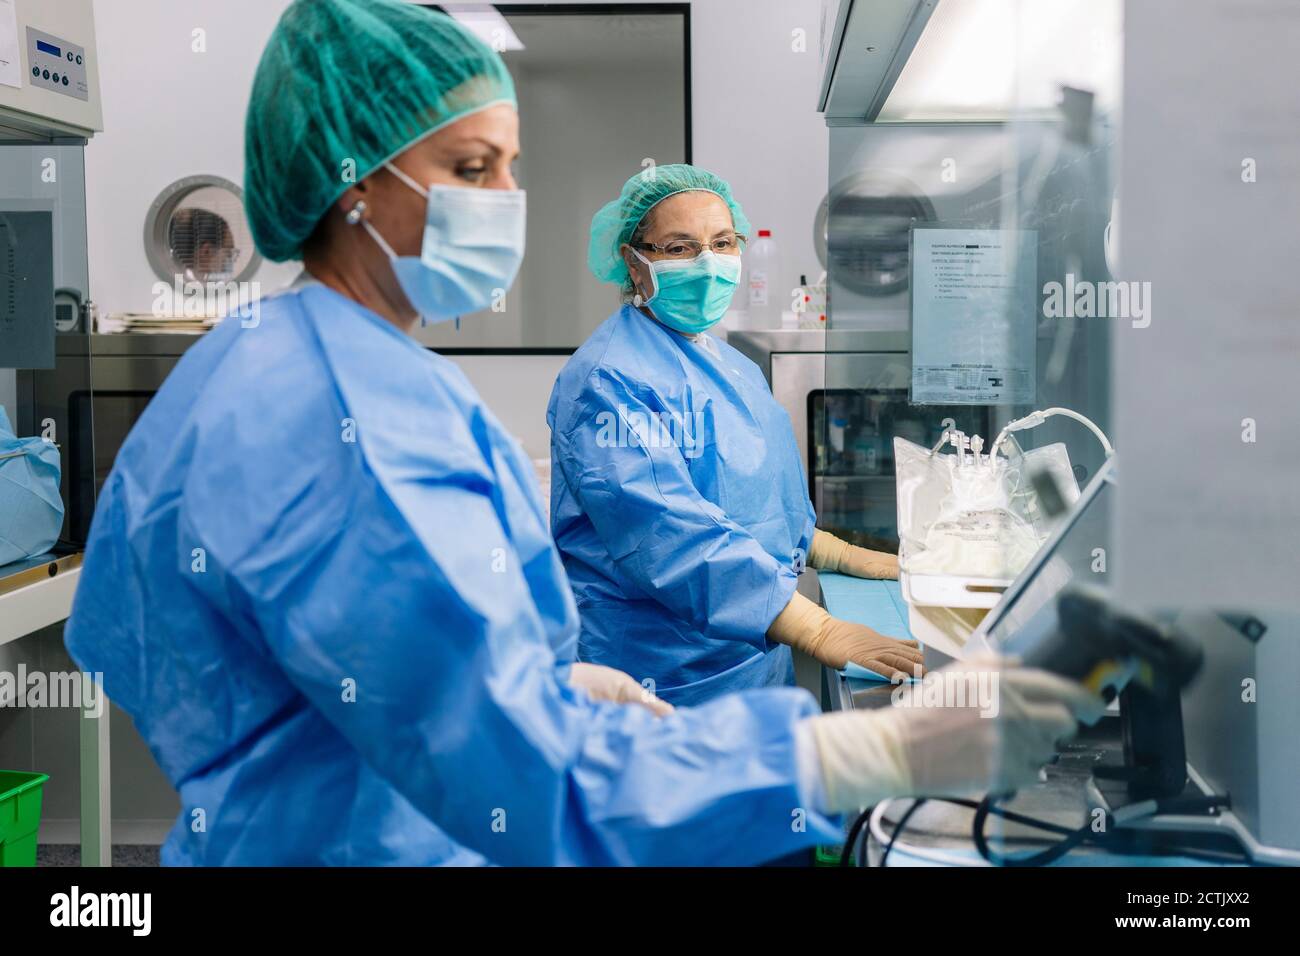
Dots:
(868, 222)
(196, 230)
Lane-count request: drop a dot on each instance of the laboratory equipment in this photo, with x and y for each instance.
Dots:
(1192, 735)
(845, 433)
(1145, 663)
(1060, 615)
(49, 108)
(127, 371)
(1041, 175)
(53, 90)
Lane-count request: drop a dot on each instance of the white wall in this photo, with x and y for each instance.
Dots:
(170, 112)
(756, 121)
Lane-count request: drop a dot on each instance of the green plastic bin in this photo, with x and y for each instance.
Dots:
(20, 816)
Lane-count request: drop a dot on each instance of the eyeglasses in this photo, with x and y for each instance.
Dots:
(729, 245)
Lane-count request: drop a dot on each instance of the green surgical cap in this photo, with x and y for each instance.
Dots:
(613, 226)
(343, 86)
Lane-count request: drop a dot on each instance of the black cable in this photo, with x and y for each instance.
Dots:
(846, 855)
(957, 801)
(898, 830)
(1071, 838)
(1012, 816)
(1041, 858)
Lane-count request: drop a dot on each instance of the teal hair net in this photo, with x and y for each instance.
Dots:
(616, 222)
(343, 86)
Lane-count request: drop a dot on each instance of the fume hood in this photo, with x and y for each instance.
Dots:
(891, 61)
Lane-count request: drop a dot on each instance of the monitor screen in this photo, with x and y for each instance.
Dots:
(1079, 551)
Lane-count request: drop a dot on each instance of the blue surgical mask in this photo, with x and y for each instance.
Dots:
(692, 295)
(473, 246)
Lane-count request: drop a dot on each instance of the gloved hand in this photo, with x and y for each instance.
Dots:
(829, 553)
(996, 743)
(834, 642)
(608, 683)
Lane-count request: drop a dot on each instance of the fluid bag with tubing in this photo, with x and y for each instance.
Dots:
(974, 516)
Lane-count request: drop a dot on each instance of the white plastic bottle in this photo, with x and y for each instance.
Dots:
(764, 298)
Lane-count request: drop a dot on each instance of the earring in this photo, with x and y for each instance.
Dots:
(356, 212)
(637, 300)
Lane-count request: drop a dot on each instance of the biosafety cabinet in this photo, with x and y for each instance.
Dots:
(966, 120)
(49, 109)
(974, 175)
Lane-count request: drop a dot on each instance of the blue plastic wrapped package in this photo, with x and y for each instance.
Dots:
(877, 604)
(31, 511)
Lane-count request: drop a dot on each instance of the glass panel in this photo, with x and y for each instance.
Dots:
(852, 453)
(208, 239)
(44, 346)
(1039, 179)
(619, 79)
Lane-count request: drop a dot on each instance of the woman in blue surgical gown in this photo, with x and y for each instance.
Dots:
(678, 499)
(320, 578)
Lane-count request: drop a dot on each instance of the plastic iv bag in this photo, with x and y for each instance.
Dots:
(975, 518)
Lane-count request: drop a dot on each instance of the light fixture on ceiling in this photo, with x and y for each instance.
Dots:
(989, 59)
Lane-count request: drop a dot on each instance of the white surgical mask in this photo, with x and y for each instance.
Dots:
(473, 246)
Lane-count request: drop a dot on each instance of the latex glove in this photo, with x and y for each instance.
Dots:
(829, 553)
(996, 743)
(608, 683)
(835, 642)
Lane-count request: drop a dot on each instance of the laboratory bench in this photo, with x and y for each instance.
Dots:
(34, 594)
(938, 833)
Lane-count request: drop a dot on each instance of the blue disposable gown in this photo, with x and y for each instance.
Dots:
(679, 505)
(321, 582)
